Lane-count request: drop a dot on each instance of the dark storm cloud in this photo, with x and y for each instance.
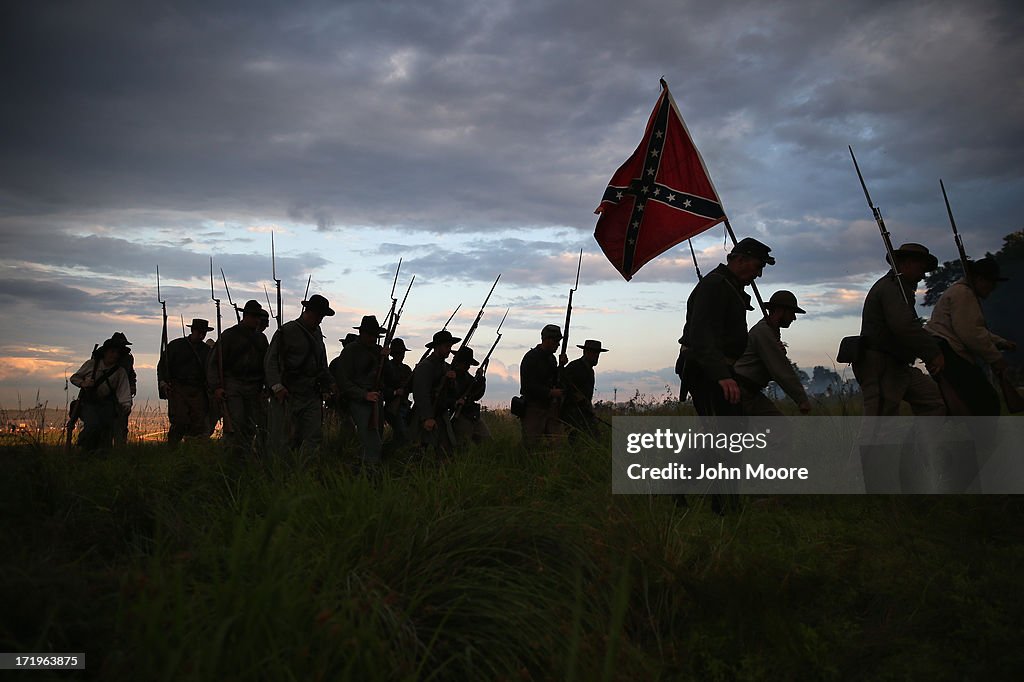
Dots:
(108, 255)
(463, 115)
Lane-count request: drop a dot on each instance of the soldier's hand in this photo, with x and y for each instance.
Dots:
(399, 392)
(450, 374)
(429, 424)
(557, 393)
(87, 382)
(563, 359)
(460, 401)
(281, 395)
(373, 396)
(219, 393)
(999, 366)
(1010, 346)
(936, 364)
(805, 407)
(731, 390)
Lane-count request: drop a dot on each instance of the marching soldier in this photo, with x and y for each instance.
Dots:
(128, 362)
(433, 386)
(538, 379)
(356, 374)
(105, 393)
(958, 324)
(468, 390)
(182, 376)
(338, 404)
(715, 333)
(296, 371)
(578, 382)
(397, 406)
(765, 360)
(892, 336)
(236, 376)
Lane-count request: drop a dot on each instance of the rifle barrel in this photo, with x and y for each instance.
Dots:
(886, 239)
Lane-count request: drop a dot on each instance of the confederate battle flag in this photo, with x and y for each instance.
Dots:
(660, 196)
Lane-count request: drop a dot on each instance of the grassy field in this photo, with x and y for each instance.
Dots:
(180, 565)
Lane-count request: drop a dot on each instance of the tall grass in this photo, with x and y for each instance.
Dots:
(184, 565)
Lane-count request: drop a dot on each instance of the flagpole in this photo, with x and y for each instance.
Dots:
(728, 225)
(693, 254)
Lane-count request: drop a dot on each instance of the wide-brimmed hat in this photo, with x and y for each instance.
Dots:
(591, 344)
(111, 344)
(464, 354)
(443, 338)
(551, 331)
(913, 250)
(119, 337)
(748, 246)
(369, 325)
(319, 305)
(349, 338)
(398, 344)
(253, 307)
(987, 268)
(784, 299)
(199, 324)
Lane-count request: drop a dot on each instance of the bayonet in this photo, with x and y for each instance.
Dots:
(886, 239)
(163, 336)
(480, 314)
(238, 311)
(220, 355)
(277, 282)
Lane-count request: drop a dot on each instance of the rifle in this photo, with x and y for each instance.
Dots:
(391, 326)
(952, 401)
(75, 411)
(481, 370)
(476, 322)
(220, 356)
(163, 337)
(568, 317)
(1014, 400)
(881, 227)
(273, 269)
(305, 295)
(238, 311)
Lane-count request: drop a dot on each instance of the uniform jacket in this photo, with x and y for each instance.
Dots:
(715, 333)
(467, 384)
(891, 326)
(426, 379)
(578, 382)
(114, 386)
(184, 362)
(765, 360)
(396, 375)
(538, 374)
(297, 360)
(959, 320)
(356, 370)
(243, 352)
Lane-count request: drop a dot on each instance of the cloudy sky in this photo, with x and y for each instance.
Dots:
(473, 138)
